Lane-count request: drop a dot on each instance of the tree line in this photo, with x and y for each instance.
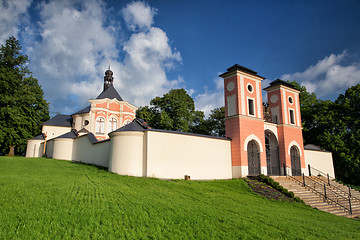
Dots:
(334, 126)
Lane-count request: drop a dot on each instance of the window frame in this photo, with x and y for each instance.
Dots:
(251, 107)
(100, 125)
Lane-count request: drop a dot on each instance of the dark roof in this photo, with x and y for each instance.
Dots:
(110, 93)
(38, 137)
(280, 82)
(314, 148)
(92, 138)
(187, 133)
(84, 110)
(241, 68)
(83, 131)
(60, 120)
(137, 125)
(71, 135)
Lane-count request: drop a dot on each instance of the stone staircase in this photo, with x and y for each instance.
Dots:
(313, 194)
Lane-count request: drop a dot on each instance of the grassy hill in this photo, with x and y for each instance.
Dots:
(51, 199)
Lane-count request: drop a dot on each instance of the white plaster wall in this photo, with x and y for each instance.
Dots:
(264, 170)
(86, 152)
(63, 148)
(78, 122)
(34, 148)
(240, 171)
(55, 131)
(172, 156)
(86, 116)
(320, 160)
(126, 153)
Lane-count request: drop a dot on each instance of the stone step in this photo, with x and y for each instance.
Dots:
(316, 200)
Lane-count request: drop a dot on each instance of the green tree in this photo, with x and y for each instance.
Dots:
(22, 105)
(334, 126)
(175, 110)
(342, 135)
(216, 122)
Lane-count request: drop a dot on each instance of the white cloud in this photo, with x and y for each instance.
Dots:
(74, 47)
(139, 15)
(209, 100)
(148, 55)
(12, 13)
(328, 78)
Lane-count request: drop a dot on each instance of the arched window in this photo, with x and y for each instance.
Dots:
(127, 121)
(100, 125)
(112, 124)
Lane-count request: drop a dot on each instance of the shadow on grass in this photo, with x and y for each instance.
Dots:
(89, 164)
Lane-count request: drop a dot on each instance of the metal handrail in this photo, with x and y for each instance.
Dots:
(322, 173)
(328, 189)
(320, 193)
(337, 188)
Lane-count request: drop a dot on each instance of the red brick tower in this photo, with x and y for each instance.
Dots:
(284, 105)
(244, 122)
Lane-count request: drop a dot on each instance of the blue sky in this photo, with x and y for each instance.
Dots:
(154, 46)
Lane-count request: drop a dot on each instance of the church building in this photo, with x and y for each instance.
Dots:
(106, 133)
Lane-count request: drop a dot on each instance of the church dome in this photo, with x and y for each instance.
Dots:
(108, 73)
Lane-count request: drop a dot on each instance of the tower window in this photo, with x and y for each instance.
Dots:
(250, 88)
(251, 107)
(291, 100)
(100, 125)
(292, 118)
(112, 124)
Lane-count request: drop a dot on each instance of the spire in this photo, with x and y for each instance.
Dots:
(108, 79)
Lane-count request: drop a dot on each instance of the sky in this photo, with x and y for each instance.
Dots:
(156, 45)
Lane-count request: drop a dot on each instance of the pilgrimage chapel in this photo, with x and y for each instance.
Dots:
(107, 133)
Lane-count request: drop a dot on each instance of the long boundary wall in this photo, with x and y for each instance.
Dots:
(175, 155)
(169, 155)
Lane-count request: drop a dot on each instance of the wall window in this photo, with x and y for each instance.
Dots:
(291, 100)
(112, 124)
(126, 122)
(292, 117)
(251, 107)
(100, 125)
(250, 88)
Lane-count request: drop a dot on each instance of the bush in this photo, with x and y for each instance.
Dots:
(269, 181)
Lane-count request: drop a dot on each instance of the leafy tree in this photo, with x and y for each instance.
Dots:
(22, 105)
(216, 122)
(175, 110)
(335, 126)
(342, 135)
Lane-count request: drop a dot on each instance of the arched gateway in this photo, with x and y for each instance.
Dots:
(253, 158)
(272, 154)
(295, 161)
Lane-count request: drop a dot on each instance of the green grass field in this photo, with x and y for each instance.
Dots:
(52, 199)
